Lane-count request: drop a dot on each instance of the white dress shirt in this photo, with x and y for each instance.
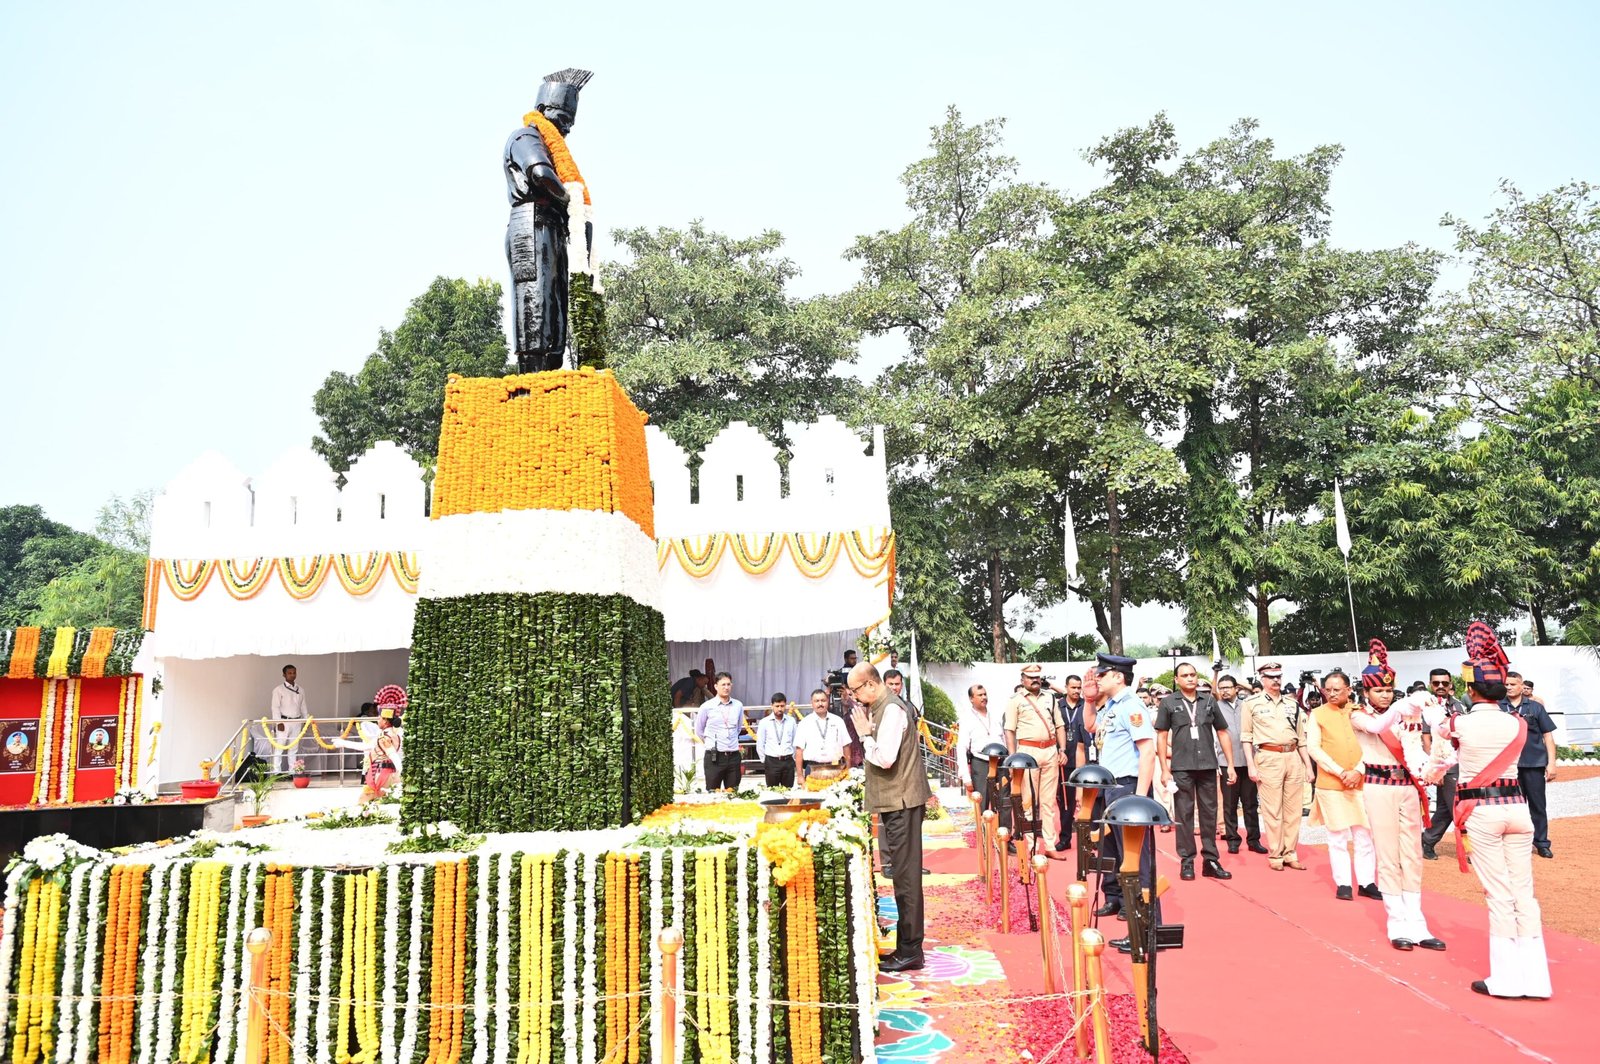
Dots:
(883, 745)
(288, 702)
(820, 738)
(977, 731)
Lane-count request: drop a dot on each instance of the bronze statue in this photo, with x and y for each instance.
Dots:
(538, 231)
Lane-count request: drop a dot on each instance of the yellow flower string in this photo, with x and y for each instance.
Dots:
(200, 958)
(927, 737)
(560, 155)
(805, 1020)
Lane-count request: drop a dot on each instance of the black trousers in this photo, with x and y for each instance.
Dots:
(724, 768)
(1197, 790)
(1067, 798)
(1243, 794)
(779, 771)
(1444, 808)
(900, 842)
(1111, 846)
(1532, 780)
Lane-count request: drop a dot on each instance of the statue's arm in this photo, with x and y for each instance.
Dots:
(530, 175)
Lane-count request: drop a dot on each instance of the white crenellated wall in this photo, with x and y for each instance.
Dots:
(294, 509)
(837, 480)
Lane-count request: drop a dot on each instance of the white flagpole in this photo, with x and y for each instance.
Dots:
(914, 685)
(1070, 545)
(1341, 532)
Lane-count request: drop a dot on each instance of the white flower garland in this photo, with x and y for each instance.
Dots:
(502, 971)
(65, 1031)
(408, 1038)
(170, 986)
(302, 965)
(231, 945)
(654, 946)
(151, 944)
(681, 922)
(763, 1046)
(322, 1032)
(47, 719)
(130, 777)
(741, 919)
(97, 881)
(569, 959)
(68, 738)
(8, 928)
(866, 960)
(592, 947)
(484, 879)
(389, 967)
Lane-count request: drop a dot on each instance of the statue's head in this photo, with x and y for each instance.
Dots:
(558, 97)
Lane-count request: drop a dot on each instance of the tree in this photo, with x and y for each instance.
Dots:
(107, 588)
(453, 327)
(928, 597)
(967, 434)
(705, 332)
(34, 550)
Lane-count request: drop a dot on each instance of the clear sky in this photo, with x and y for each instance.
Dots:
(205, 208)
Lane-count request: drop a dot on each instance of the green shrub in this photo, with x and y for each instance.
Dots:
(937, 707)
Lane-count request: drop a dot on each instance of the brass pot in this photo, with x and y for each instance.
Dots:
(781, 809)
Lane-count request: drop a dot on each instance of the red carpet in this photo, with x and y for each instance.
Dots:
(1265, 951)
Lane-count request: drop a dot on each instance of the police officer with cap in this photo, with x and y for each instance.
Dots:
(1273, 727)
(1126, 736)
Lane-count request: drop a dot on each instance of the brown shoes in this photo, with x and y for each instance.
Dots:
(1293, 862)
(1275, 864)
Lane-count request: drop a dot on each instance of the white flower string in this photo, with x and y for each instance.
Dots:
(70, 960)
(483, 879)
(232, 942)
(91, 966)
(167, 1002)
(763, 1043)
(47, 719)
(408, 1038)
(66, 710)
(302, 965)
(653, 946)
(8, 927)
(151, 946)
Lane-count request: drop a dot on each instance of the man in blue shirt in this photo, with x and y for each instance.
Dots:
(775, 743)
(1126, 735)
(1538, 761)
(718, 725)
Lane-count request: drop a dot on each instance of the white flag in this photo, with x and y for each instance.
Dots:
(1216, 648)
(1341, 527)
(914, 683)
(1070, 543)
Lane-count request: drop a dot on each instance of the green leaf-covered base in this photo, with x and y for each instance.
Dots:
(516, 718)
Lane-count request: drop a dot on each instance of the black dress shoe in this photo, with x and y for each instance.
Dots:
(1214, 870)
(1405, 945)
(1432, 943)
(1187, 871)
(1233, 847)
(1481, 987)
(1371, 891)
(1256, 847)
(1122, 945)
(896, 963)
(1544, 851)
(1429, 852)
(1344, 894)
(1111, 908)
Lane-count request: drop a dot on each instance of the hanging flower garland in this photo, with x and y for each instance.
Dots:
(813, 555)
(47, 715)
(245, 581)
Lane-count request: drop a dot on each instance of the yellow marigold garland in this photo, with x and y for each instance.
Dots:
(304, 577)
(200, 958)
(94, 657)
(805, 1020)
(244, 583)
(560, 155)
(927, 737)
(24, 651)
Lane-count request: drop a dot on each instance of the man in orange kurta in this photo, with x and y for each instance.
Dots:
(1336, 752)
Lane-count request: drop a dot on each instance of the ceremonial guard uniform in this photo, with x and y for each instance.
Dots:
(1493, 814)
(1273, 729)
(1390, 734)
(1120, 727)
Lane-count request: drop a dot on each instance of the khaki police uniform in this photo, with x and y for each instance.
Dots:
(1276, 728)
(1034, 722)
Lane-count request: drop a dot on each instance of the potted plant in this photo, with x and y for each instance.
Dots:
(259, 787)
(302, 778)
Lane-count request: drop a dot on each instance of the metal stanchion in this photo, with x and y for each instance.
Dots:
(1094, 944)
(257, 942)
(1005, 879)
(978, 834)
(990, 859)
(670, 940)
(1047, 926)
(1078, 908)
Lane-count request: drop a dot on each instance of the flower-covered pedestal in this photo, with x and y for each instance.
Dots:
(538, 946)
(538, 661)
